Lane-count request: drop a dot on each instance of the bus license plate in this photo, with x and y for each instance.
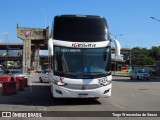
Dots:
(82, 95)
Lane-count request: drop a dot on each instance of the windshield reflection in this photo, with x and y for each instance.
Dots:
(86, 61)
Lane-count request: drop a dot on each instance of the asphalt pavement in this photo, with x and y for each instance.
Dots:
(127, 95)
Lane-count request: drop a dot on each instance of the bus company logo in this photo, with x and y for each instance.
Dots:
(83, 87)
(84, 45)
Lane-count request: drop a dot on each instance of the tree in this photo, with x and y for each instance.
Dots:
(140, 56)
(154, 52)
(11, 63)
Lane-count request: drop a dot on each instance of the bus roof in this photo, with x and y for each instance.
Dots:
(89, 28)
(88, 16)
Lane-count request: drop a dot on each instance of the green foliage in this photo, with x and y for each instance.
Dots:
(141, 56)
(11, 63)
(154, 52)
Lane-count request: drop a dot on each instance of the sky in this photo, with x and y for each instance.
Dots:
(128, 18)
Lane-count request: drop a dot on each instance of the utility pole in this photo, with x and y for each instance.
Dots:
(155, 19)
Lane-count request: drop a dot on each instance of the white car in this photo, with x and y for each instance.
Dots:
(43, 77)
(1, 71)
(140, 74)
(14, 73)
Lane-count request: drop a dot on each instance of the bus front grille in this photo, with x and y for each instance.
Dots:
(82, 87)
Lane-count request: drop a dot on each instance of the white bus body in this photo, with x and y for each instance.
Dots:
(80, 57)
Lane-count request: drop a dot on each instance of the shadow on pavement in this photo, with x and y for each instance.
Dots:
(40, 95)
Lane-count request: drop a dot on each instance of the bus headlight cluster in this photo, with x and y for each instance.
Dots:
(104, 81)
(59, 82)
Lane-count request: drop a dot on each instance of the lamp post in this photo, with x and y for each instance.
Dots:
(155, 19)
(115, 35)
(130, 56)
(115, 62)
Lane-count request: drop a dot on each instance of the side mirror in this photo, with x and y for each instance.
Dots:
(50, 46)
(117, 47)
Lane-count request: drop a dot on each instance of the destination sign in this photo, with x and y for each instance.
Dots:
(83, 45)
(70, 50)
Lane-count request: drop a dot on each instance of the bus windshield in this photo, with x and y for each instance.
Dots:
(81, 62)
(89, 29)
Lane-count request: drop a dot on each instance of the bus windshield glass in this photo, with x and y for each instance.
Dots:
(90, 29)
(78, 62)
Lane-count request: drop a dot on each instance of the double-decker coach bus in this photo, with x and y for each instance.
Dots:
(80, 57)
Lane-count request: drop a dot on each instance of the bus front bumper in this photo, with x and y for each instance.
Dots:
(63, 92)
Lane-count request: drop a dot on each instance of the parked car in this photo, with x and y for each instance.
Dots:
(140, 74)
(14, 72)
(1, 71)
(43, 77)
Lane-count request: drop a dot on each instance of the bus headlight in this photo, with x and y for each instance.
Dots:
(59, 82)
(104, 81)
